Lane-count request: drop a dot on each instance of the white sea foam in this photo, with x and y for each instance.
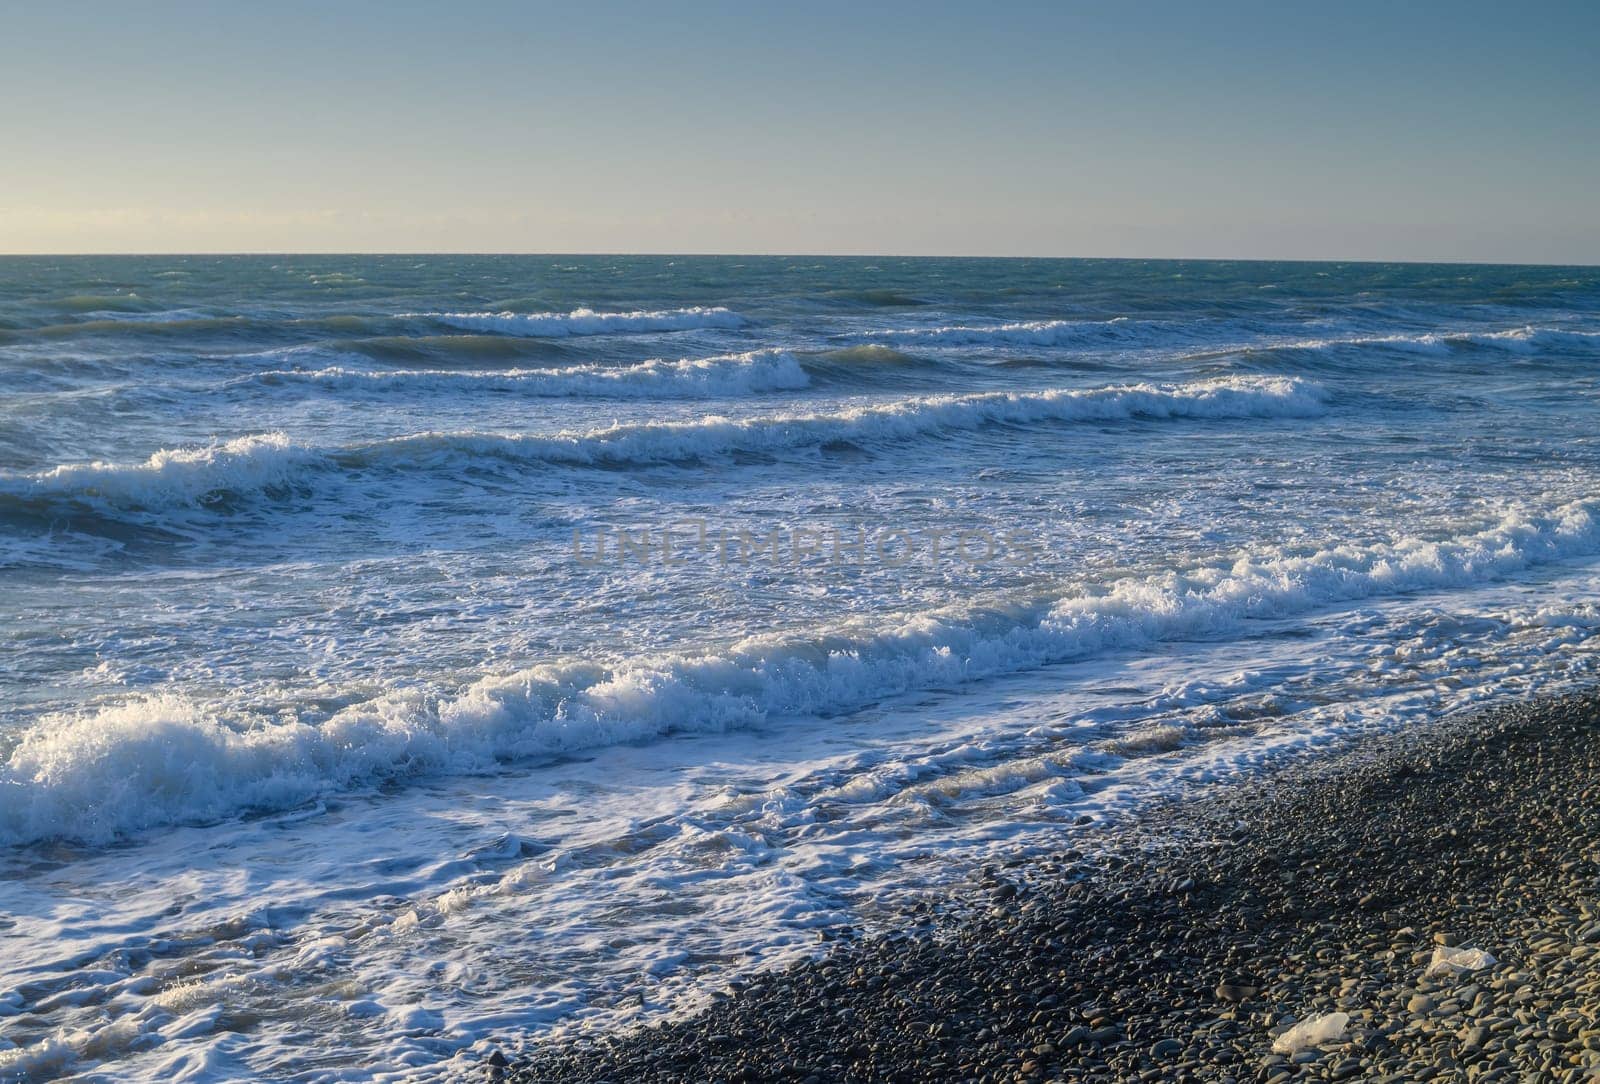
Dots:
(1026, 333)
(901, 419)
(557, 325)
(1519, 340)
(168, 759)
(252, 464)
(171, 477)
(689, 378)
(1125, 332)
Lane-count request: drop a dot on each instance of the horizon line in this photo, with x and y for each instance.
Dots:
(1445, 262)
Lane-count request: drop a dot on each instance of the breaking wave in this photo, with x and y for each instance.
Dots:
(1118, 331)
(171, 478)
(168, 759)
(690, 378)
(901, 419)
(557, 325)
(197, 476)
(1520, 340)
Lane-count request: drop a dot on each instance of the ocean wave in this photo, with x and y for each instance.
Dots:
(901, 419)
(557, 325)
(1520, 340)
(869, 355)
(1123, 332)
(175, 327)
(168, 759)
(151, 316)
(94, 303)
(197, 476)
(873, 365)
(171, 478)
(436, 351)
(1118, 331)
(689, 378)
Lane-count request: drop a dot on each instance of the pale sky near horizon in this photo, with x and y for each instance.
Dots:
(1463, 131)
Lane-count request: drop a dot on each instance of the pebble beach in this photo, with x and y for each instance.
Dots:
(1425, 905)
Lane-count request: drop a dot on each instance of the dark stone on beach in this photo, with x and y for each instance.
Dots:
(1166, 1048)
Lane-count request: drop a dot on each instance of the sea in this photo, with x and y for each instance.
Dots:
(407, 657)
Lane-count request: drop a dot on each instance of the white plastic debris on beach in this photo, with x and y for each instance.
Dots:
(1311, 1032)
(1454, 961)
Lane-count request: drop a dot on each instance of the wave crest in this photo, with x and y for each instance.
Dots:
(171, 478)
(689, 378)
(167, 759)
(1521, 340)
(1120, 330)
(556, 325)
(251, 464)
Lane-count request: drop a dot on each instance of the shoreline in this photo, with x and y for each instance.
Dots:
(1194, 937)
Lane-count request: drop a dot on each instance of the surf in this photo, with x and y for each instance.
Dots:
(190, 477)
(170, 759)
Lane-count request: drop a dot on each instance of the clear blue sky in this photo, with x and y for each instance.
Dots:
(1345, 130)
